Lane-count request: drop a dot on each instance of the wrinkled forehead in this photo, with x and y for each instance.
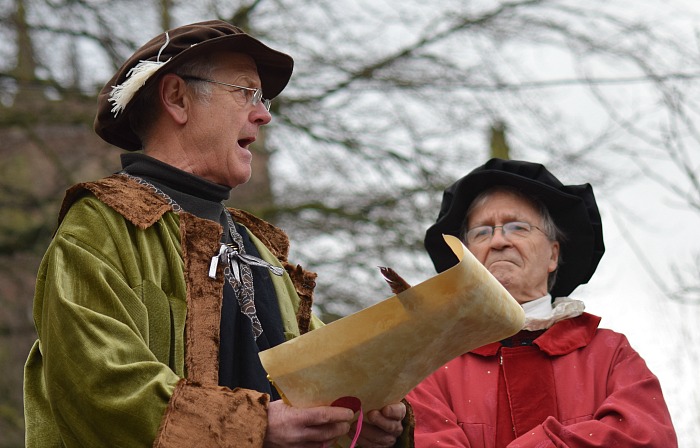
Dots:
(503, 204)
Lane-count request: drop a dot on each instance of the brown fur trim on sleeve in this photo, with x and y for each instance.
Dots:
(405, 440)
(135, 202)
(213, 416)
(304, 282)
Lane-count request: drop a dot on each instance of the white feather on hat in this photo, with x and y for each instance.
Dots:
(137, 77)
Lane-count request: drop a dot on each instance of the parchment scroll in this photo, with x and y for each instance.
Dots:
(382, 352)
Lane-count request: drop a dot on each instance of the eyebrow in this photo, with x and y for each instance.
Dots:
(244, 79)
(510, 217)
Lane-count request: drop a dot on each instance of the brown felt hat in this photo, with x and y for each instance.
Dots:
(166, 52)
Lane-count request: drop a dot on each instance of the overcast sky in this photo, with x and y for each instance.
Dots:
(665, 333)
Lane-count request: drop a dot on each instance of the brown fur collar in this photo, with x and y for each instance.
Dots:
(133, 201)
(139, 205)
(142, 208)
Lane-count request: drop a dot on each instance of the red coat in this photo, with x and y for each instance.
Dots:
(574, 386)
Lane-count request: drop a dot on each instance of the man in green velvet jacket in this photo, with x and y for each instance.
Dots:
(154, 299)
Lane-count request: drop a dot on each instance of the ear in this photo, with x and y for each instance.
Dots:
(554, 257)
(174, 98)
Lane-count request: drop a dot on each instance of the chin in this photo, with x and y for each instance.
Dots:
(504, 278)
(501, 270)
(237, 181)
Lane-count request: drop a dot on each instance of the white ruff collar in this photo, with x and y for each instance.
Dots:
(541, 314)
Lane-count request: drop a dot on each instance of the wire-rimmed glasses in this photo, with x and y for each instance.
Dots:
(482, 234)
(253, 95)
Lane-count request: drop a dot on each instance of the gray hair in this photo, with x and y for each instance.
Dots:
(201, 68)
(549, 227)
(146, 107)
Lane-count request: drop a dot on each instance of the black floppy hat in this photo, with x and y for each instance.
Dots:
(573, 209)
(170, 50)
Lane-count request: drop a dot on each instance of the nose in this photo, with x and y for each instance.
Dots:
(499, 239)
(260, 115)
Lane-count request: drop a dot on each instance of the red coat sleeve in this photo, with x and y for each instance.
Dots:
(633, 414)
(436, 422)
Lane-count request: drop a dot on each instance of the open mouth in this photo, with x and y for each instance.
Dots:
(245, 142)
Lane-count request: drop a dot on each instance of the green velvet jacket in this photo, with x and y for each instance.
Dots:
(128, 326)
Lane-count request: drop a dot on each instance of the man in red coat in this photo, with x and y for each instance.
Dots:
(561, 381)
